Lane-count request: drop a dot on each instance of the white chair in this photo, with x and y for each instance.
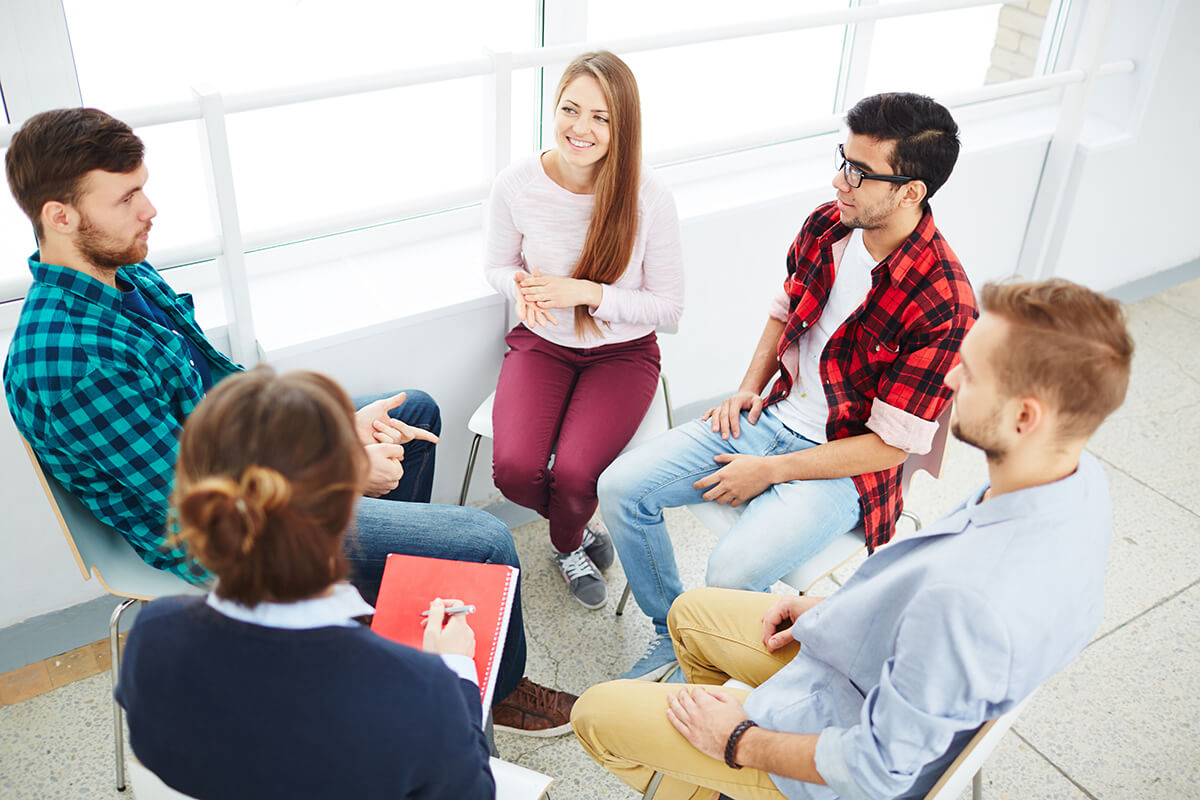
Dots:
(968, 766)
(513, 782)
(657, 420)
(720, 518)
(101, 550)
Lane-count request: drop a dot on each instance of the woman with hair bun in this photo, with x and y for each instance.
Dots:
(269, 687)
(584, 239)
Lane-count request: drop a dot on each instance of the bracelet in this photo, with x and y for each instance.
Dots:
(734, 737)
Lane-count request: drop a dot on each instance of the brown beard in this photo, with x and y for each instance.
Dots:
(99, 249)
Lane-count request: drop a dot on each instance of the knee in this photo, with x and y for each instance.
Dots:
(729, 571)
(592, 713)
(516, 475)
(573, 479)
(688, 610)
(617, 482)
(482, 537)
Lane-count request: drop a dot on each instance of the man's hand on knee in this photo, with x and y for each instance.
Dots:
(743, 478)
(705, 717)
(726, 417)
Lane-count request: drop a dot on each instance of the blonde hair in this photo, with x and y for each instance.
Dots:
(608, 245)
(1067, 345)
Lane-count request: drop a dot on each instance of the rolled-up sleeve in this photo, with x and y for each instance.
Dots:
(912, 391)
(951, 664)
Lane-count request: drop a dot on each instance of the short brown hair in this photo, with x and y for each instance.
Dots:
(268, 472)
(54, 150)
(1067, 345)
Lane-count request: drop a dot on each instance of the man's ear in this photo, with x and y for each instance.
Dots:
(1031, 416)
(59, 217)
(913, 193)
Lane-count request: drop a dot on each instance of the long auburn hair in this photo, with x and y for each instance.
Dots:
(608, 245)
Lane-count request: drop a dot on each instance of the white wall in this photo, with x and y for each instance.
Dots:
(1130, 216)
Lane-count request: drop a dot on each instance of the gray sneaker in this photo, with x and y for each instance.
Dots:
(583, 579)
(657, 661)
(599, 546)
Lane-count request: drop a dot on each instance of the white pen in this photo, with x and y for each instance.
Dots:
(451, 611)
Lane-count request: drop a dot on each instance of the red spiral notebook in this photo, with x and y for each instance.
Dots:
(411, 582)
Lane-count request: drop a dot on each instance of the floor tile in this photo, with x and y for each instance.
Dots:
(1016, 772)
(1153, 553)
(1184, 298)
(21, 684)
(1124, 719)
(59, 744)
(72, 666)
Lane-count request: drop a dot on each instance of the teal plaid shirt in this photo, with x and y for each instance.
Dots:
(101, 398)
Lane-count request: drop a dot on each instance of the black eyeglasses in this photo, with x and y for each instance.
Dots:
(855, 176)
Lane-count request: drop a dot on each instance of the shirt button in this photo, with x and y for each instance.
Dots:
(876, 348)
(193, 363)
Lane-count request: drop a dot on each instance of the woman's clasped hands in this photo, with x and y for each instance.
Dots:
(537, 292)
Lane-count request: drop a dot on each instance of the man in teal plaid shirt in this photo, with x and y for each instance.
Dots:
(107, 361)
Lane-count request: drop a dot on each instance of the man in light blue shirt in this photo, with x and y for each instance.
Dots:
(872, 692)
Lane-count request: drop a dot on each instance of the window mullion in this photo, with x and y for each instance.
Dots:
(37, 68)
(856, 58)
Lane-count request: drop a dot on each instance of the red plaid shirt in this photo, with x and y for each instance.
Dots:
(897, 346)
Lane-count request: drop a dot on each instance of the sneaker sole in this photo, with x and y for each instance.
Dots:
(653, 675)
(548, 733)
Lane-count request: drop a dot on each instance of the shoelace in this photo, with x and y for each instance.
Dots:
(654, 644)
(542, 698)
(576, 565)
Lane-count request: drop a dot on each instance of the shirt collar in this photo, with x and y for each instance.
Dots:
(338, 609)
(1044, 501)
(79, 283)
(900, 260)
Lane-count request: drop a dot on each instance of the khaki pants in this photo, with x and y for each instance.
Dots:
(624, 726)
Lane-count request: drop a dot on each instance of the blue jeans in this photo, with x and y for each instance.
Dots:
(780, 529)
(403, 521)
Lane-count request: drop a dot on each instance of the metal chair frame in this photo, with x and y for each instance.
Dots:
(101, 550)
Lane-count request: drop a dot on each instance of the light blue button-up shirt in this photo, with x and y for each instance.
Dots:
(940, 632)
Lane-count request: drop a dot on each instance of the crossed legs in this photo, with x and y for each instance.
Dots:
(623, 724)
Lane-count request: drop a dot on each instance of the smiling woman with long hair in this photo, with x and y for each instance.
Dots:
(269, 687)
(584, 240)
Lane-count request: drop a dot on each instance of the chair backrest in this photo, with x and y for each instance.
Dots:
(933, 461)
(962, 769)
(101, 549)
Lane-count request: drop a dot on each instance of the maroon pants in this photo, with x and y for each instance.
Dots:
(583, 405)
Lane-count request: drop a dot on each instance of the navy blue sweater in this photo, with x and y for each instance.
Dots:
(224, 709)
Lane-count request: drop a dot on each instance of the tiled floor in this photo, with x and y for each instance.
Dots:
(1121, 723)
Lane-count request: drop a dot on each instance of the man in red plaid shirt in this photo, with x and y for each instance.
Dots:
(867, 324)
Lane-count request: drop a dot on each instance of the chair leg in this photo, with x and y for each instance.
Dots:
(915, 519)
(653, 786)
(462, 496)
(667, 400)
(114, 645)
(624, 599)
(977, 785)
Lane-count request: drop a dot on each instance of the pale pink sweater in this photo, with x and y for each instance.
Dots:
(534, 222)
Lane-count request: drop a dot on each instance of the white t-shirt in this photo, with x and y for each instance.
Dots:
(806, 410)
(534, 222)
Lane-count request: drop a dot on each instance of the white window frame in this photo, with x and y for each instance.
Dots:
(39, 36)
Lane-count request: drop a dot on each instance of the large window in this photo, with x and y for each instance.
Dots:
(308, 169)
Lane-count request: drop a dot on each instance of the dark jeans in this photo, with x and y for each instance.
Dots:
(403, 521)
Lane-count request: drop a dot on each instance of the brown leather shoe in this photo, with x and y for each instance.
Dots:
(534, 710)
